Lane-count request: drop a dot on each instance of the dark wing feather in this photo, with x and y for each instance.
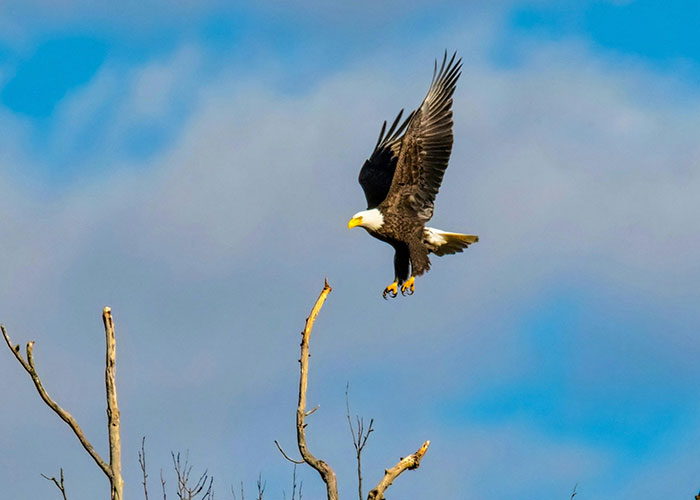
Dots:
(377, 172)
(427, 143)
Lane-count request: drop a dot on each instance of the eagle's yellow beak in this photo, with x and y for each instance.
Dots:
(356, 221)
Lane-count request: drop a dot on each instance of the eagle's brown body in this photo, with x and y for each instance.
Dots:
(406, 237)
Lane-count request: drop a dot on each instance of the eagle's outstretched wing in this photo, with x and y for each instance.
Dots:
(426, 146)
(378, 171)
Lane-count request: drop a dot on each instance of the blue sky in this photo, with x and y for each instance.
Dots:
(660, 32)
(193, 166)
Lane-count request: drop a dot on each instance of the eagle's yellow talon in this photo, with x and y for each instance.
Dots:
(409, 286)
(392, 290)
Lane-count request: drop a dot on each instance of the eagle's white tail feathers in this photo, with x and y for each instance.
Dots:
(443, 243)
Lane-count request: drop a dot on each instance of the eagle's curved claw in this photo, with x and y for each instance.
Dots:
(392, 290)
(409, 286)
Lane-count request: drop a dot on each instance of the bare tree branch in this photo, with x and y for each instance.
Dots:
(113, 470)
(410, 462)
(29, 367)
(186, 491)
(113, 417)
(359, 439)
(296, 462)
(142, 463)
(359, 435)
(325, 471)
(59, 484)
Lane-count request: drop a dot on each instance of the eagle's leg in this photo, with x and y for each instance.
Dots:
(420, 263)
(409, 286)
(401, 269)
(392, 290)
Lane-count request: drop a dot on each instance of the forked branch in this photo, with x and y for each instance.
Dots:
(113, 469)
(58, 483)
(185, 489)
(359, 438)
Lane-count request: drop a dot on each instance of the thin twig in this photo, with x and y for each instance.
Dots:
(184, 490)
(59, 484)
(261, 487)
(142, 463)
(162, 485)
(359, 439)
(294, 483)
(574, 492)
(296, 462)
(325, 471)
(410, 462)
(233, 492)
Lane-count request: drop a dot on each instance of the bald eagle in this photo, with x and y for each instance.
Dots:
(402, 177)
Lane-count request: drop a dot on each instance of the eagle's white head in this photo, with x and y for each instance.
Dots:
(369, 219)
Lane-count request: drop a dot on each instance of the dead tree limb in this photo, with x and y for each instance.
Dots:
(113, 469)
(58, 483)
(410, 462)
(113, 417)
(325, 471)
(29, 367)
